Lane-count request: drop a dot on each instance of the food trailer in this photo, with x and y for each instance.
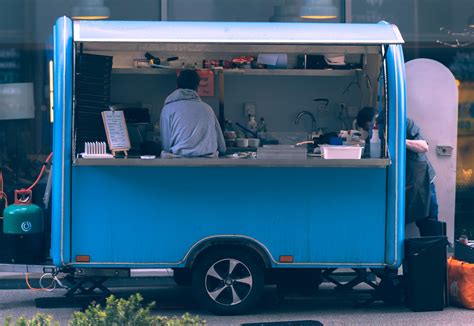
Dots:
(224, 224)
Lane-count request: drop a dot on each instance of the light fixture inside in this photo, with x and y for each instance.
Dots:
(318, 9)
(90, 10)
(287, 12)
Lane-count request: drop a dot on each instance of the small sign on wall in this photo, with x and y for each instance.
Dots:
(206, 86)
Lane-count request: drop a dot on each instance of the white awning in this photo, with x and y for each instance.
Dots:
(237, 33)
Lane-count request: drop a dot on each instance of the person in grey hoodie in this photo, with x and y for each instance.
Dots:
(188, 126)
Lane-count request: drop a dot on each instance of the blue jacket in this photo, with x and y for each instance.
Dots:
(414, 133)
(189, 126)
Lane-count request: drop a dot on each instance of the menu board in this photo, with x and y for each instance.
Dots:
(116, 130)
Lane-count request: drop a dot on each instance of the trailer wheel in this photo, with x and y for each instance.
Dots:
(228, 282)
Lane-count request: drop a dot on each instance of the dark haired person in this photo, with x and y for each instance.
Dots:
(364, 123)
(421, 203)
(366, 118)
(188, 126)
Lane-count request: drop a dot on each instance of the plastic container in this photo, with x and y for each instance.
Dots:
(425, 267)
(230, 134)
(341, 152)
(254, 142)
(242, 142)
(230, 142)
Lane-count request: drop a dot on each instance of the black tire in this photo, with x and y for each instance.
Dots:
(182, 276)
(228, 282)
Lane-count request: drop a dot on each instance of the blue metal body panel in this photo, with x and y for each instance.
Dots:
(397, 149)
(132, 216)
(153, 216)
(62, 140)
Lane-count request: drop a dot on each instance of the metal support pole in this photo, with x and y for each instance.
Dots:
(347, 11)
(220, 75)
(164, 10)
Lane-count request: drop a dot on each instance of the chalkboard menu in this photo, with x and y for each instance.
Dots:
(116, 130)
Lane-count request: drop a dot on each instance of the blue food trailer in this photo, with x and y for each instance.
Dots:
(113, 215)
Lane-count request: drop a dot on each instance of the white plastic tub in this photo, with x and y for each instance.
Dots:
(341, 152)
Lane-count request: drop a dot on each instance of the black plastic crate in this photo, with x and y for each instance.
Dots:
(425, 269)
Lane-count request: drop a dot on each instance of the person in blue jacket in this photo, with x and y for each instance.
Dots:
(416, 158)
(421, 204)
(188, 126)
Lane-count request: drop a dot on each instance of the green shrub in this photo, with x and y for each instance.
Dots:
(121, 312)
(117, 312)
(36, 320)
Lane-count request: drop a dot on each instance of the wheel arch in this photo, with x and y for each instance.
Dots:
(248, 244)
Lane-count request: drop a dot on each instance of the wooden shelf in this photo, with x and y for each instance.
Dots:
(244, 72)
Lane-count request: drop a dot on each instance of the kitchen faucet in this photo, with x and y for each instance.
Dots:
(313, 120)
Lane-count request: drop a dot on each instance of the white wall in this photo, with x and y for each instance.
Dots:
(278, 99)
(432, 102)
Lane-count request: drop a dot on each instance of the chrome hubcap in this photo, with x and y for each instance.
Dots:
(228, 282)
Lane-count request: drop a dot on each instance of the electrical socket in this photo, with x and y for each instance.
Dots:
(250, 108)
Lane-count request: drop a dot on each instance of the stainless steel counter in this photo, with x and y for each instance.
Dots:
(229, 162)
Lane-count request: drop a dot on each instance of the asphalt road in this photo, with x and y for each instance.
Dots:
(328, 307)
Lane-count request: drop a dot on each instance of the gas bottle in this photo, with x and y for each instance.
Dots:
(22, 217)
(23, 227)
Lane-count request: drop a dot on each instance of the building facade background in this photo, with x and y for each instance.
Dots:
(437, 29)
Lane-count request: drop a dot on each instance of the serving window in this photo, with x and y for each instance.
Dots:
(300, 93)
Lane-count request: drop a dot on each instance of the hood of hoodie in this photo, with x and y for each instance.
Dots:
(182, 94)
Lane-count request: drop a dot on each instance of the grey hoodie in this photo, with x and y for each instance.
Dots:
(189, 126)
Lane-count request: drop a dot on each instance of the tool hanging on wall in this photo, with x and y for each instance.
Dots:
(157, 62)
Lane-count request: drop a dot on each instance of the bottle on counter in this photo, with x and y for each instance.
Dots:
(252, 123)
(375, 144)
(262, 128)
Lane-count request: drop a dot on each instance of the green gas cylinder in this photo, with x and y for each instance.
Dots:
(23, 227)
(23, 217)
